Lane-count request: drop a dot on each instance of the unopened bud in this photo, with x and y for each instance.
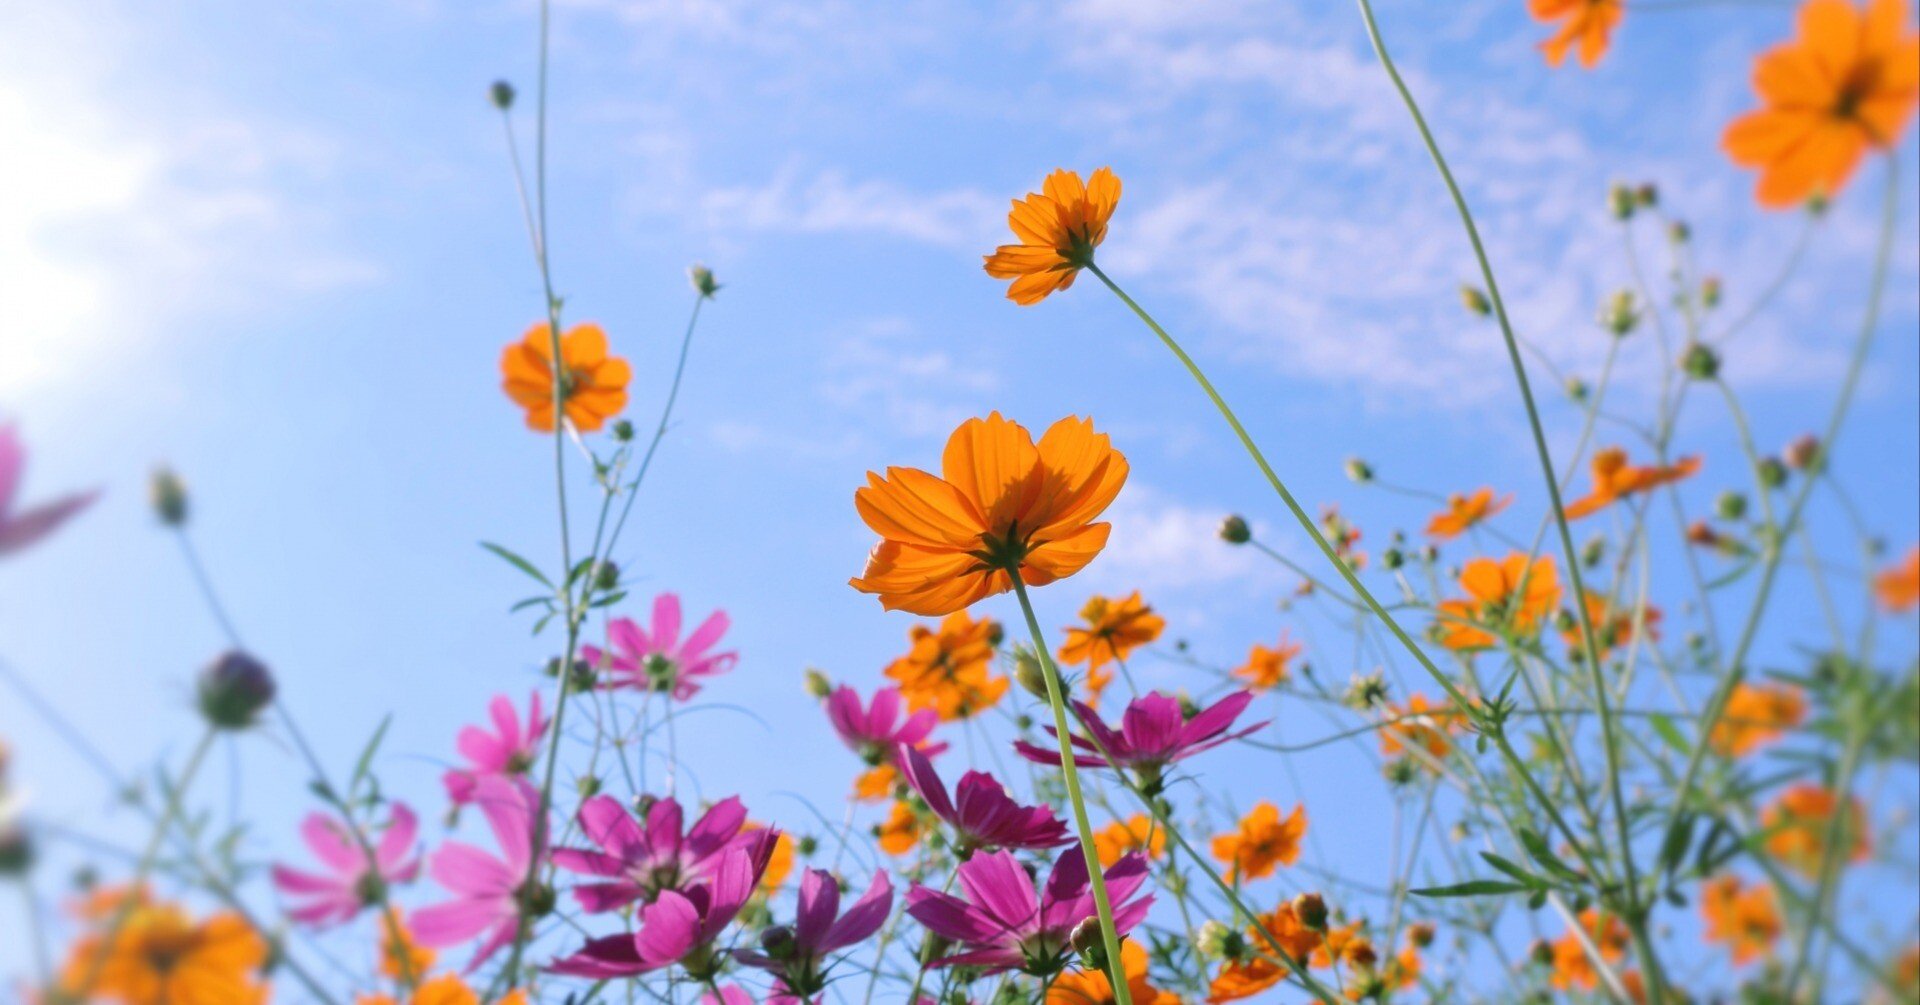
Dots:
(1420, 934)
(1804, 454)
(1577, 389)
(1088, 942)
(817, 684)
(1620, 202)
(1359, 470)
(606, 576)
(1710, 292)
(16, 850)
(234, 689)
(501, 93)
(1365, 692)
(1028, 671)
(1214, 941)
(1772, 473)
(1234, 530)
(779, 942)
(702, 279)
(1475, 301)
(1393, 558)
(168, 495)
(1700, 361)
(1311, 910)
(1678, 232)
(1620, 313)
(1730, 505)
(806, 845)
(1818, 204)
(1594, 550)
(1541, 952)
(588, 786)
(623, 431)
(1647, 195)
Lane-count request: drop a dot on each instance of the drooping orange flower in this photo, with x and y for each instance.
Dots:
(901, 831)
(161, 956)
(1614, 479)
(1250, 973)
(1495, 598)
(1003, 505)
(1091, 987)
(1572, 968)
(1898, 588)
(1797, 825)
(948, 670)
(446, 989)
(1745, 918)
(1136, 833)
(1848, 84)
(1262, 842)
(1268, 668)
(1464, 513)
(1610, 627)
(593, 383)
(1112, 631)
(418, 958)
(1586, 23)
(1420, 725)
(1058, 227)
(1756, 715)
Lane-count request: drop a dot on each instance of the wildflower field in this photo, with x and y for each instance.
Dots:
(1192, 503)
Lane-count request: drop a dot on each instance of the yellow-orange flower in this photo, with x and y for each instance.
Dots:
(1002, 505)
(419, 959)
(1588, 24)
(1464, 513)
(1091, 987)
(1268, 668)
(1058, 227)
(1262, 842)
(1342, 943)
(1113, 630)
(948, 670)
(1746, 918)
(1495, 599)
(1421, 725)
(1756, 715)
(1610, 627)
(901, 831)
(1572, 967)
(1255, 972)
(1898, 588)
(1614, 479)
(160, 956)
(446, 989)
(1136, 833)
(779, 863)
(876, 785)
(1797, 825)
(1846, 85)
(594, 384)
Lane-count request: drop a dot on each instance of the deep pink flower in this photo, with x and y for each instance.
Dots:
(980, 812)
(645, 860)
(679, 923)
(353, 880)
(26, 527)
(732, 994)
(1152, 734)
(877, 731)
(656, 659)
(491, 893)
(508, 751)
(797, 954)
(1002, 925)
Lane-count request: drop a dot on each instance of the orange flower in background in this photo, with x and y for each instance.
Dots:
(594, 383)
(1898, 588)
(1756, 715)
(1262, 842)
(1745, 918)
(947, 669)
(160, 956)
(1614, 479)
(1797, 826)
(1344, 944)
(1113, 630)
(1495, 600)
(447, 989)
(419, 959)
(1586, 23)
(1002, 505)
(1419, 725)
(1464, 513)
(901, 831)
(1572, 968)
(876, 785)
(1091, 987)
(1254, 972)
(1136, 833)
(1269, 668)
(779, 864)
(1848, 84)
(1610, 627)
(1058, 227)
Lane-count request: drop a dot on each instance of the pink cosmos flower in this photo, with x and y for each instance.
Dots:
(678, 922)
(27, 527)
(656, 659)
(508, 751)
(354, 881)
(732, 994)
(797, 955)
(1002, 925)
(645, 860)
(877, 732)
(1153, 734)
(491, 893)
(980, 812)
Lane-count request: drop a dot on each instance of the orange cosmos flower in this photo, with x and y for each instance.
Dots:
(160, 956)
(1465, 512)
(447, 989)
(1112, 631)
(1586, 23)
(1495, 600)
(1610, 627)
(947, 670)
(1572, 968)
(901, 831)
(1614, 479)
(1847, 85)
(1262, 842)
(1002, 505)
(1756, 715)
(1419, 725)
(876, 785)
(1797, 826)
(1091, 987)
(1058, 227)
(1746, 918)
(594, 384)
(1136, 833)
(1269, 668)
(419, 959)
(1898, 588)
(1344, 944)
(1254, 972)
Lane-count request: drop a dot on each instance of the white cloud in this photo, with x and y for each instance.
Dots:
(828, 202)
(1163, 545)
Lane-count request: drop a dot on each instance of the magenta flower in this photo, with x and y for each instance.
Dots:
(354, 881)
(732, 994)
(797, 955)
(656, 659)
(980, 812)
(509, 751)
(680, 926)
(27, 527)
(1153, 734)
(877, 732)
(492, 894)
(1002, 925)
(645, 860)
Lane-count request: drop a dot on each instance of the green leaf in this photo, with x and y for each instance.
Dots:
(517, 562)
(365, 762)
(1512, 869)
(1543, 854)
(1670, 733)
(1679, 838)
(1471, 888)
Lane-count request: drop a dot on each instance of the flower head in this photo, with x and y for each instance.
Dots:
(493, 896)
(507, 752)
(1420, 725)
(1085, 986)
(1572, 967)
(1798, 822)
(980, 812)
(656, 658)
(1745, 918)
(948, 669)
(592, 384)
(1464, 512)
(1612, 626)
(878, 732)
(1614, 479)
(797, 954)
(446, 989)
(1898, 587)
(1137, 833)
(1112, 630)
(1058, 227)
(160, 955)
(354, 879)
(679, 926)
(1003, 505)
(1756, 715)
(902, 829)
(1153, 733)
(1511, 594)
(1587, 24)
(1247, 972)
(1262, 842)
(639, 860)
(20, 528)
(1002, 925)
(1267, 668)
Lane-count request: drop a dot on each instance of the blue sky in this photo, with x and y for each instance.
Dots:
(277, 247)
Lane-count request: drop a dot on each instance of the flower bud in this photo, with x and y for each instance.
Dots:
(1577, 389)
(588, 786)
(1311, 909)
(1620, 202)
(1647, 195)
(1772, 473)
(817, 684)
(1804, 454)
(502, 95)
(623, 431)
(1365, 692)
(16, 850)
(234, 689)
(1710, 292)
(1678, 232)
(1393, 558)
(1475, 301)
(1541, 952)
(702, 279)
(779, 942)
(806, 845)
(1620, 313)
(1700, 361)
(606, 576)
(1360, 953)
(1420, 934)
(168, 495)
(1594, 550)
(1088, 942)
(1359, 470)
(1818, 204)
(1213, 940)
(1234, 530)
(1730, 505)
(1028, 671)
